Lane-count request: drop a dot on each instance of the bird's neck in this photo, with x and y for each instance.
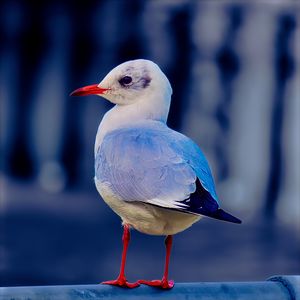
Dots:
(124, 115)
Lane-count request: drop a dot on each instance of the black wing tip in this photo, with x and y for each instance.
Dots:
(201, 202)
(224, 216)
(219, 214)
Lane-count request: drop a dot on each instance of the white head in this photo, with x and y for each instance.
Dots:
(135, 81)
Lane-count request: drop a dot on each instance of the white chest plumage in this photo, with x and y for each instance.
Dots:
(144, 217)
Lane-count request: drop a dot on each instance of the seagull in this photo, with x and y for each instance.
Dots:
(155, 178)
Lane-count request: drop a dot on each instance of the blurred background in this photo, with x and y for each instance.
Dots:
(234, 68)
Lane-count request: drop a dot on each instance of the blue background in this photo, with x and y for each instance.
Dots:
(234, 68)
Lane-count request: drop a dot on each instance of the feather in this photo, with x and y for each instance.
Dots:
(153, 164)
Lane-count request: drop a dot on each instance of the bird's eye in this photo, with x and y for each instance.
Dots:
(125, 80)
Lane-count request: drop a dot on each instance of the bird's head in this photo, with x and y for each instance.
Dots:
(131, 82)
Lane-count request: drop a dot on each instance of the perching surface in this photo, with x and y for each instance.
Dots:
(265, 290)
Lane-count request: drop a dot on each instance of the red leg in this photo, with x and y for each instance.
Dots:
(121, 280)
(164, 283)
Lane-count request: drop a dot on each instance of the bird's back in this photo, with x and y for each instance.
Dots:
(149, 160)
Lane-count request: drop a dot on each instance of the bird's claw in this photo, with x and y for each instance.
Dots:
(122, 282)
(163, 284)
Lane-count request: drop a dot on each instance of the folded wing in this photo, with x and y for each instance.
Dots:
(159, 166)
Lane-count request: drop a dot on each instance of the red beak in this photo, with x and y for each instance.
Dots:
(89, 90)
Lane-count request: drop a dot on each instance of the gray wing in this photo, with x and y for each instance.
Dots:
(156, 166)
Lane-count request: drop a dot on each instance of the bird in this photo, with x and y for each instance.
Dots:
(155, 178)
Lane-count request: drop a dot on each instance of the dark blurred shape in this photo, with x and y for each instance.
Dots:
(130, 33)
(82, 56)
(284, 68)
(228, 62)
(179, 73)
(32, 43)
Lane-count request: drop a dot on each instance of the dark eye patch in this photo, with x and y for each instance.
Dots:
(124, 81)
(145, 81)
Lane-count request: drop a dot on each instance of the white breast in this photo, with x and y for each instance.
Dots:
(146, 218)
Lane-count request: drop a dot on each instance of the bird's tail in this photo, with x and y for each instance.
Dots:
(220, 214)
(201, 202)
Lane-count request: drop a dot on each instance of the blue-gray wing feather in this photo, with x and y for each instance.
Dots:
(153, 164)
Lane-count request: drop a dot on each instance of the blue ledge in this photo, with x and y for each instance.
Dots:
(276, 288)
